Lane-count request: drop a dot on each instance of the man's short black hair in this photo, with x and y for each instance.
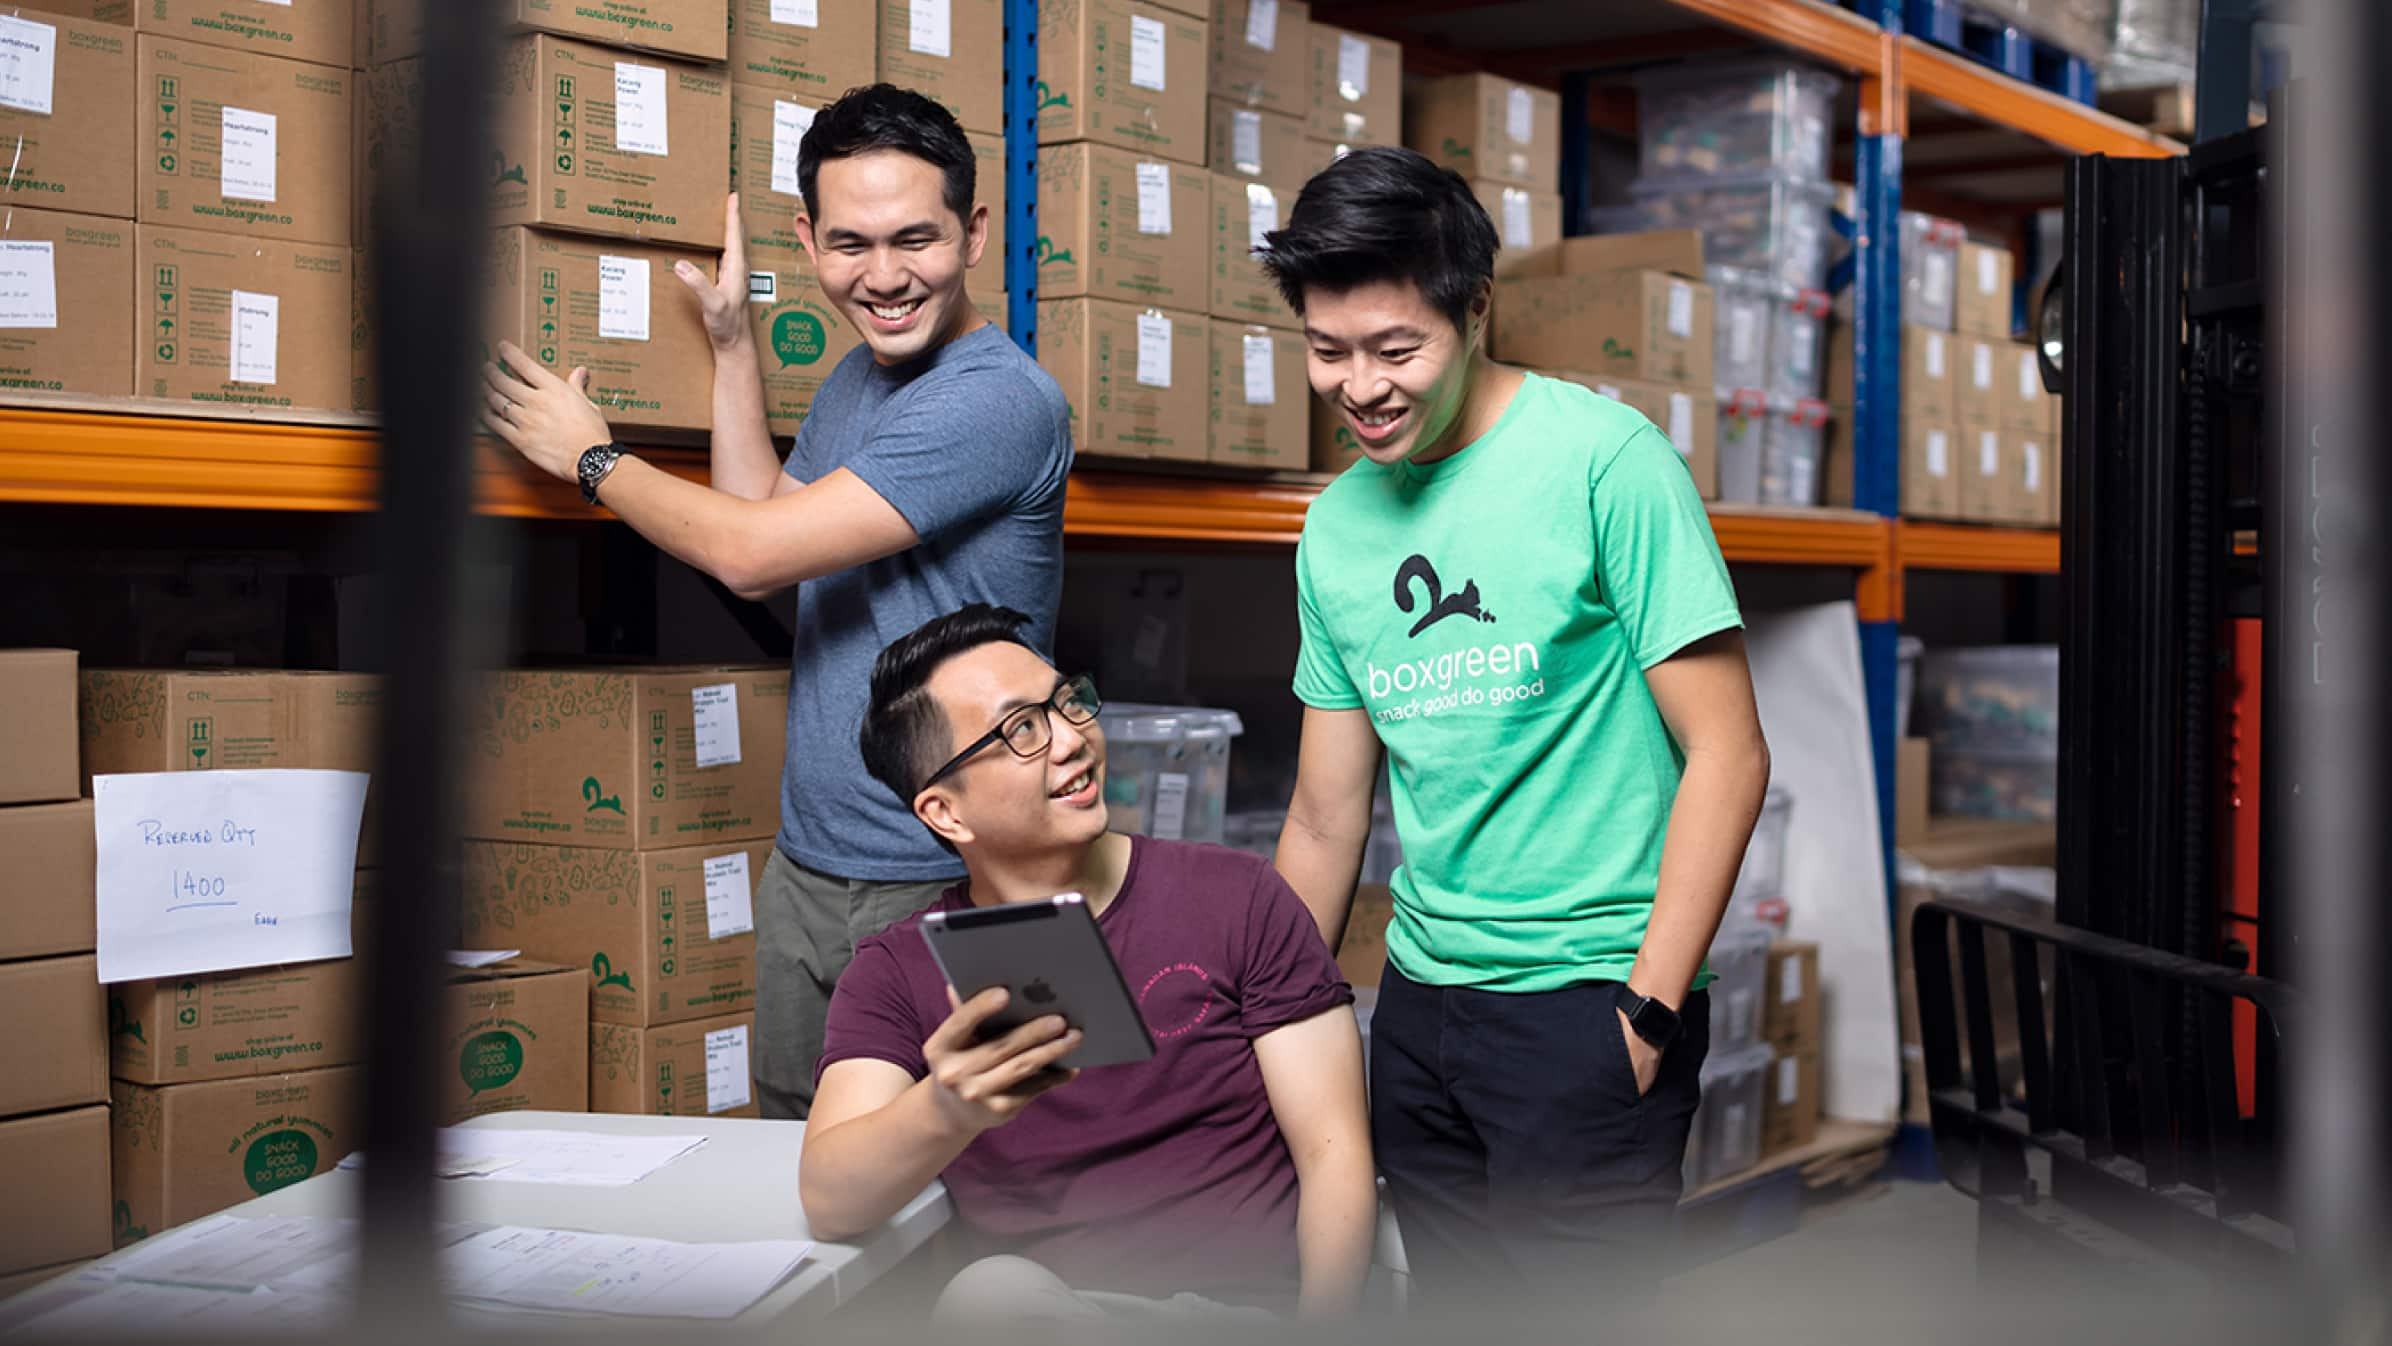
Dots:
(1385, 214)
(906, 736)
(885, 117)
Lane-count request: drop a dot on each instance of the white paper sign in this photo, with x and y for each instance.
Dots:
(1981, 367)
(1744, 328)
(2030, 378)
(1681, 423)
(1146, 52)
(622, 298)
(1154, 198)
(790, 122)
(799, 13)
(200, 871)
(1262, 382)
(1154, 350)
(1989, 273)
(1170, 805)
(1789, 983)
(727, 1069)
(1939, 454)
(1353, 67)
(28, 64)
(1245, 140)
(1519, 230)
(28, 285)
(641, 115)
(2034, 457)
(1262, 24)
(1935, 355)
(248, 168)
(730, 903)
(1936, 282)
(928, 28)
(1519, 116)
(715, 711)
(1989, 453)
(1789, 1081)
(1262, 214)
(1681, 309)
(257, 336)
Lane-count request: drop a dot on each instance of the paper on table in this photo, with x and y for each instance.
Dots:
(227, 1252)
(200, 871)
(609, 1273)
(128, 1310)
(558, 1158)
(481, 957)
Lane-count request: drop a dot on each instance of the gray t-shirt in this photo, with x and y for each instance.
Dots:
(971, 444)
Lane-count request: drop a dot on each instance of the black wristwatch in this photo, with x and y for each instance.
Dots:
(1653, 1021)
(596, 462)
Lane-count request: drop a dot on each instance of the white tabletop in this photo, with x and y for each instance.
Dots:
(740, 1185)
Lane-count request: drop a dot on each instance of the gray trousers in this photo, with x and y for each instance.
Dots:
(807, 925)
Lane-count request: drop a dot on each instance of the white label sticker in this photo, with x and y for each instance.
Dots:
(257, 330)
(764, 287)
(1939, 454)
(1262, 24)
(1146, 52)
(730, 902)
(1789, 982)
(1353, 68)
(1681, 423)
(1989, 453)
(1981, 366)
(1989, 272)
(790, 122)
(1262, 385)
(1519, 116)
(1936, 278)
(1154, 350)
(714, 711)
(929, 29)
(1681, 309)
(248, 167)
(1744, 1011)
(1744, 330)
(28, 64)
(2034, 457)
(727, 1069)
(802, 13)
(28, 285)
(1802, 478)
(1519, 227)
(1262, 214)
(1245, 140)
(622, 298)
(1805, 355)
(2030, 378)
(1935, 355)
(641, 118)
(1789, 1081)
(1170, 805)
(1154, 198)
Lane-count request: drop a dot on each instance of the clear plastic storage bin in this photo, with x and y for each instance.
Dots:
(1726, 1138)
(1739, 961)
(1791, 448)
(1743, 424)
(1167, 769)
(1759, 897)
(1930, 270)
(1797, 344)
(1743, 308)
(1992, 699)
(2019, 787)
(1740, 118)
(1775, 225)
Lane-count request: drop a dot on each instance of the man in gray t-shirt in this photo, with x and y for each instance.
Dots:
(929, 474)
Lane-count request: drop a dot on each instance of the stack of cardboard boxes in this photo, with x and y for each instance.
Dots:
(54, 1056)
(1791, 1016)
(1506, 139)
(1259, 100)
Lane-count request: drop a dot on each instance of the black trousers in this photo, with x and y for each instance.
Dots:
(1520, 1161)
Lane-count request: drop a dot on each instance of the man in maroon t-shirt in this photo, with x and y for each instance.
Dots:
(1232, 1168)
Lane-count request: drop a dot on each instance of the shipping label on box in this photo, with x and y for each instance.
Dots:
(1242, 212)
(1986, 481)
(1977, 379)
(1931, 364)
(1482, 126)
(70, 120)
(320, 31)
(1355, 87)
(601, 141)
(1522, 218)
(1653, 326)
(646, 760)
(2025, 407)
(1984, 289)
(38, 753)
(1683, 415)
(1260, 56)
(2035, 501)
(1931, 468)
(246, 322)
(518, 1038)
(947, 50)
(188, 1150)
(611, 306)
(1135, 377)
(1123, 73)
(699, 1069)
(1790, 1102)
(661, 936)
(811, 49)
(54, 1184)
(1262, 146)
(238, 143)
(1116, 225)
(800, 337)
(1261, 400)
(49, 891)
(1790, 1005)
(57, 1057)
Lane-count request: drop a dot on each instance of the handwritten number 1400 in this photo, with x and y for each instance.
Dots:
(185, 890)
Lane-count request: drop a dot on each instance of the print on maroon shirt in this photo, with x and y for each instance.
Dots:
(1160, 1176)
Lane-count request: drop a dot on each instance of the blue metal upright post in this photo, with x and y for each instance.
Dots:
(1877, 397)
(1021, 172)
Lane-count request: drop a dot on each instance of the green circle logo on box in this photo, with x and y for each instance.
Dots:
(490, 1060)
(797, 337)
(277, 1159)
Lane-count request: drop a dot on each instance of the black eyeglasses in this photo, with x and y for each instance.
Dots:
(1027, 731)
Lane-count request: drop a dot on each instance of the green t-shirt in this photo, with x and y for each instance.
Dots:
(1495, 612)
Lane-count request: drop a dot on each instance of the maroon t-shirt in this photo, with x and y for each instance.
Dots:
(1165, 1175)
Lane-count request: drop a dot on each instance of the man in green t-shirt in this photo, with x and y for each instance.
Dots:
(1517, 594)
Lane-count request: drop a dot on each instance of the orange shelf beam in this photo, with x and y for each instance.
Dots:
(1818, 29)
(2002, 101)
(2013, 551)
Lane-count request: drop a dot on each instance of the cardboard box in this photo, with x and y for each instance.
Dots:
(638, 926)
(949, 49)
(1930, 374)
(54, 1183)
(800, 336)
(1124, 73)
(119, 12)
(1790, 1103)
(319, 31)
(1260, 56)
(519, 1038)
(569, 158)
(1790, 1004)
(614, 758)
(79, 154)
(1912, 761)
(56, 1052)
(37, 726)
(696, 1069)
(766, 126)
(189, 1150)
(1362, 955)
(389, 123)
(66, 309)
(2025, 407)
(1260, 146)
(985, 283)
(288, 176)
(815, 62)
(1986, 281)
(1355, 87)
(1986, 478)
(1319, 154)
(49, 890)
(614, 307)
(695, 29)
(1135, 377)
(1676, 252)
(1484, 126)
(1122, 226)
(205, 719)
(1682, 413)
(1650, 326)
(1334, 447)
(1261, 400)
(1977, 380)
(1242, 212)
(1931, 469)
(1522, 218)
(242, 321)
(2035, 501)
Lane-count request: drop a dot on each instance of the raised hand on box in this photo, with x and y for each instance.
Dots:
(723, 301)
(547, 419)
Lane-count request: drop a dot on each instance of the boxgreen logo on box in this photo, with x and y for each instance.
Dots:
(490, 1060)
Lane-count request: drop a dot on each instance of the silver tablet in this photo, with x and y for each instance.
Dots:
(1053, 960)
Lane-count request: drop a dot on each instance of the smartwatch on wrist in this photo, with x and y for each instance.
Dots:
(1653, 1021)
(596, 462)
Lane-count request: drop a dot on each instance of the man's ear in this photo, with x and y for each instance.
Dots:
(975, 234)
(805, 239)
(1481, 305)
(936, 808)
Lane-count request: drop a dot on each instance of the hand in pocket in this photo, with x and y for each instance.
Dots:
(1643, 1057)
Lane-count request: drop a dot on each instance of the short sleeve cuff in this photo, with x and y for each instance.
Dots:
(915, 1066)
(1323, 998)
(1685, 633)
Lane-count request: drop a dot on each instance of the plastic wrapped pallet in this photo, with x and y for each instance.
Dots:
(1740, 118)
(1778, 225)
(2079, 27)
(2155, 42)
